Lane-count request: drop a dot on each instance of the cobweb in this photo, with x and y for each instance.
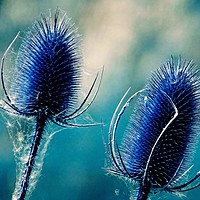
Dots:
(21, 131)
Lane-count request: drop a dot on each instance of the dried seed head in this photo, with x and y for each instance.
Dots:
(47, 69)
(162, 131)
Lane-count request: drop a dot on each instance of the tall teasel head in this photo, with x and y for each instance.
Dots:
(47, 74)
(46, 82)
(157, 145)
(48, 68)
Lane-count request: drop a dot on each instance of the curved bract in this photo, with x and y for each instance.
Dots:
(162, 131)
(46, 82)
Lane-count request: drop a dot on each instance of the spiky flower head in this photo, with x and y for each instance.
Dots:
(47, 69)
(162, 131)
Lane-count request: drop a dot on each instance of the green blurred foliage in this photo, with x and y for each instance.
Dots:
(131, 38)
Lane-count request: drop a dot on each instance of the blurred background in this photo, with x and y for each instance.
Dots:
(131, 38)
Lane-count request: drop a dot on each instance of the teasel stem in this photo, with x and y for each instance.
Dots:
(144, 191)
(40, 124)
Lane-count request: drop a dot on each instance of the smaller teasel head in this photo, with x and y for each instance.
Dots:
(156, 149)
(48, 70)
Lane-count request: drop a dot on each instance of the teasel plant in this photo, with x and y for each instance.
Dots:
(157, 147)
(44, 89)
